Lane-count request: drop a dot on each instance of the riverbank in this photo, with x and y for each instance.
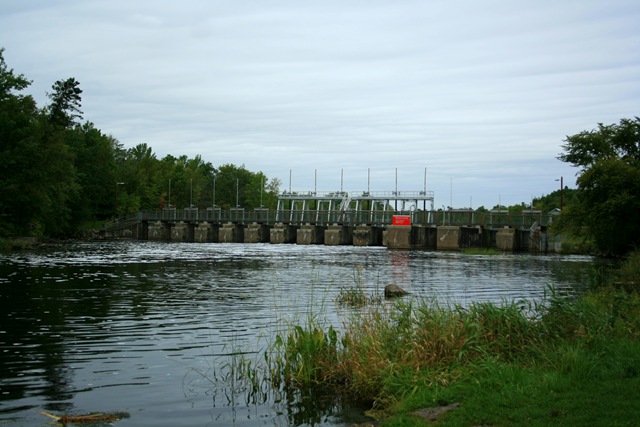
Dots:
(28, 243)
(18, 243)
(566, 361)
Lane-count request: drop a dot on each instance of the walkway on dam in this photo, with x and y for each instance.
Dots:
(459, 217)
(394, 219)
(443, 230)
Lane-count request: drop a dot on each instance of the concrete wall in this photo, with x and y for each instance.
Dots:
(310, 235)
(399, 237)
(159, 231)
(367, 236)
(206, 233)
(256, 233)
(536, 240)
(472, 237)
(282, 233)
(182, 232)
(506, 239)
(338, 235)
(448, 238)
(231, 233)
(423, 237)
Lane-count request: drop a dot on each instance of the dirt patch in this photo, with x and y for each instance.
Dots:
(432, 414)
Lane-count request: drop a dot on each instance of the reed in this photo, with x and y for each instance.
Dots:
(412, 353)
(628, 274)
(355, 296)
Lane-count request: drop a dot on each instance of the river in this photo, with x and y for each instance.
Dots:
(148, 330)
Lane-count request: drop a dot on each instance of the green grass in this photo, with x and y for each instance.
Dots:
(567, 361)
(355, 296)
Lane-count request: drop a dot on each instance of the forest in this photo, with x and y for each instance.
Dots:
(61, 174)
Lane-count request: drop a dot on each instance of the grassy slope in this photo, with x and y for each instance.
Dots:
(503, 394)
(567, 362)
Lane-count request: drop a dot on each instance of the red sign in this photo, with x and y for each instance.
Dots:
(402, 220)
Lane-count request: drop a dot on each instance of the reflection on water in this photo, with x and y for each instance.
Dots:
(144, 328)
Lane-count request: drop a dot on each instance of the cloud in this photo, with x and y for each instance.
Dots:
(480, 93)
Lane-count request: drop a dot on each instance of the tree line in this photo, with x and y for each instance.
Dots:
(606, 210)
(60, 174)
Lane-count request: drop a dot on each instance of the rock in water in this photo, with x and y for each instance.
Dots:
(394, 291)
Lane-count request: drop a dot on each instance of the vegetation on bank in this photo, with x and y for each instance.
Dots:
(566, 361)
(606, 208)
(60, 175)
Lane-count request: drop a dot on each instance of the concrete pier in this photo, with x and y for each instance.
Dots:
(506, 239)
(231, 233)
(367, 236)
(283, 233)
(448, 238)
(310, 235)
(206, 233)
(257, 233)
(182, 232)
(399, 237)
(158, 230)
(338, 235)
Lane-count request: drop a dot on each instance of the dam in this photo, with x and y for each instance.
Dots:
(397, 220)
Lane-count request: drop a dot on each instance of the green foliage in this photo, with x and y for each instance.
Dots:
(9, 82)
(608, 198)
(64, 110)
(355, 296)
(628, 275)
(408, 356)
(615, 141)
(555, 199)
(58, 174)
(304, 356)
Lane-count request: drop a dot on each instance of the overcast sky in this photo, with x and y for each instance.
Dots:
(480, 93)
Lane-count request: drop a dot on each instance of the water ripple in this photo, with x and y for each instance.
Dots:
(118, 326)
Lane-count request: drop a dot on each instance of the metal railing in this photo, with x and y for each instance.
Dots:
(495, 219)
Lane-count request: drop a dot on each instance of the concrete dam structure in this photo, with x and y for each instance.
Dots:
(396, 220)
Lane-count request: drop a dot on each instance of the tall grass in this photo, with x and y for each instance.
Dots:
(355, 295)
(412, 353)
(388, 352)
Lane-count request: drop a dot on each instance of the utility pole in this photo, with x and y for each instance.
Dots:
(561, 189)
(115, 209)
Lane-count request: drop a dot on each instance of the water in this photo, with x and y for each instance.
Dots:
(141, 328)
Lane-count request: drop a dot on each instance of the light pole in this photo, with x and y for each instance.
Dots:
(561, 198)
(237, 192)
(214, 193)
(115, 209)
(261, 187)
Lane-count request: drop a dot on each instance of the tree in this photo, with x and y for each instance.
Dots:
(64, 109)
(18, 149)
(93, 154)
(9, 82)
(619, 141)
(566, 197)
(607, 205)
